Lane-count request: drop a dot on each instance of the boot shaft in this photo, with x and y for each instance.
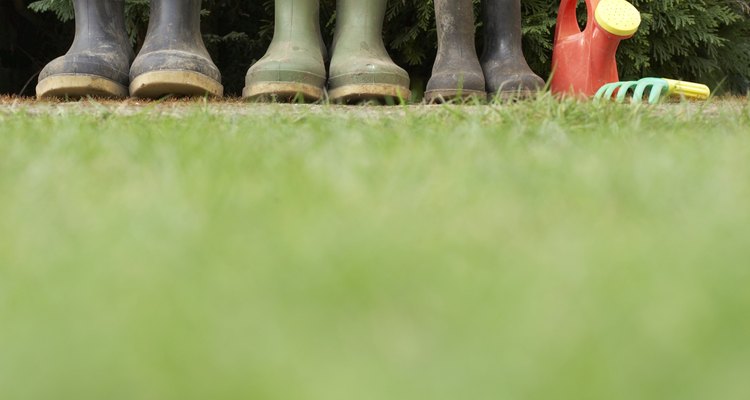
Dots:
(298, 21)
(293, 16)
(174, 25)
(99, 16)
(455, 26)
(99, 22)
(360, 20)
(502, 28)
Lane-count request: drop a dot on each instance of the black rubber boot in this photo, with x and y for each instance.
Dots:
(505, 68)
(174, 59)
(457, 73)
(98, 62)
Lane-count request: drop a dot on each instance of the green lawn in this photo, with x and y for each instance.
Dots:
(528, 251)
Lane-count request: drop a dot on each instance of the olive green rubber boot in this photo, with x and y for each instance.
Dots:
(98, 62)
(505, 68)
(457, 73)
(294, 65)
(361, 68)
(174, 59)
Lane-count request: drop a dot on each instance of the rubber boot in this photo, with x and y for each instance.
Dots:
(361, 68)
(174, 60)
(505, 68)
(457, 72)
(98, 62)
(294, 65)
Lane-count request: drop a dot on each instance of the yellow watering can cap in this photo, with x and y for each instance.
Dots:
(618, 17)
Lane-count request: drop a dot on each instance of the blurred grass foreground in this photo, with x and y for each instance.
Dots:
(539, 250)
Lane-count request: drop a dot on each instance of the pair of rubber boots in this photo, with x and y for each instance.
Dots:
(458, 72)
(101, 62)
(294, 67)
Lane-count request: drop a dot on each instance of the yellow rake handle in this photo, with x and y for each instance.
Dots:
(688, 90)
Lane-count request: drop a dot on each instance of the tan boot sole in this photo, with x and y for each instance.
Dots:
(152, 85)
(77, 86)
(349, 93)
(444, 96)
(282, 90)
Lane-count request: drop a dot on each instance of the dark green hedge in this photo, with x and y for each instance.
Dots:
(702, 40)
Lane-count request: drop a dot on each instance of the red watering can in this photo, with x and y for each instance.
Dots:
(584, 61)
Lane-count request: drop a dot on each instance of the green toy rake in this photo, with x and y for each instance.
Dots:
(657, 88)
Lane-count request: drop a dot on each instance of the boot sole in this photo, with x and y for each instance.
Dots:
(444, 96)
(352, 93)
(282, 90)
(77, 86)
(153, 85)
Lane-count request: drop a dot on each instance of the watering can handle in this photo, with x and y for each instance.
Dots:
(567, 19)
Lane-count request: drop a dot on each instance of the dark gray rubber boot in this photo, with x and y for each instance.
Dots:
(98, 62)
(457, 73)
(174, 59)
(505, 67)
(294, 65)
